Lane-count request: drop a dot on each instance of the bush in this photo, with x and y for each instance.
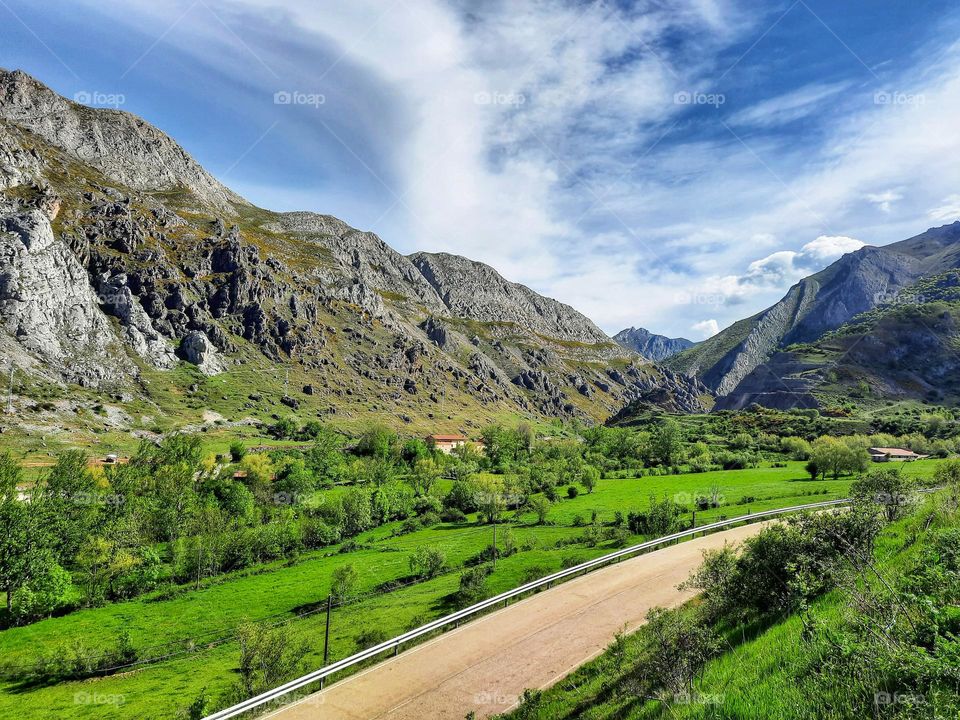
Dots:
(572, 491)
(473, 585)
(368, 637)
(660, 519)
(453, 515)
(427, 562)
(237, 451)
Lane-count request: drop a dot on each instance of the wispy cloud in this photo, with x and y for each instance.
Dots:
(547, 138)
(790, 106)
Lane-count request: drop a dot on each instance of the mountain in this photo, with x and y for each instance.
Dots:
(651, 346)
(749, 362)
(128, 273)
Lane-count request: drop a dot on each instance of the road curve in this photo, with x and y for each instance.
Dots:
(486, 664)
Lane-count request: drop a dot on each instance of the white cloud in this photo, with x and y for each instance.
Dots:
(948, 211)
(590, 190)
(884, 200)
(790, 106)
(706, 328)
(827, 248)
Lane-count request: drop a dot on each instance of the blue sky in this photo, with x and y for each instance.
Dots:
(672, 165)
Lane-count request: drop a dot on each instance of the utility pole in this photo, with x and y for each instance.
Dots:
(494, 540)
(326, 635)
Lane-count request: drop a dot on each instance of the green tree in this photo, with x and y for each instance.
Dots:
(343, 581)
(268, 657)
(24, 553)
(427, 562)
(357, 512)
(666, 441)
(325, 458)
(425, 473)
(590, 477)
(70, 500)
(541, 506)
(886, 488)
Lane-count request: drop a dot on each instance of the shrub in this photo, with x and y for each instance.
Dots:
(343, 581)
(237, 451)
(572, 491)
(427, 562)
(368, 637)
(473, 585)
(453, 515)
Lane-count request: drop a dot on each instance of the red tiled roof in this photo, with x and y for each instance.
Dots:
(446, 438)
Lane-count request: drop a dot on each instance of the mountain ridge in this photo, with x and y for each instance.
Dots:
(733, 363)
(177, 269)
(650, 345)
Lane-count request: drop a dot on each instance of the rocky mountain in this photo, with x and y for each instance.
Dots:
(747, 362)
(650, 345)
(127, 269)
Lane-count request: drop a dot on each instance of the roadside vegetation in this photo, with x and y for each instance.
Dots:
(828, 615)
(215, 568)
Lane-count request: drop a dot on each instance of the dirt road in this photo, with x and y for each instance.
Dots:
(485, 665)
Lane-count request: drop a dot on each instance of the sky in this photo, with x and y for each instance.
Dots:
(670, 164)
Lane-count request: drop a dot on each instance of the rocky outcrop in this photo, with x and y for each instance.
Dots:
(471, 289)
(117, 299)
(47, 304)
(197, 349)
(651, 346)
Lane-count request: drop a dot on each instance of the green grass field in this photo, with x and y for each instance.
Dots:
(195, 627)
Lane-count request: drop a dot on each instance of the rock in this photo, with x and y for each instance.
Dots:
(47, 304)
(308, 389)
(196, 348)
(290, 402)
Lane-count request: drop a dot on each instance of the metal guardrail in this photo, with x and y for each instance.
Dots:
(460, 615)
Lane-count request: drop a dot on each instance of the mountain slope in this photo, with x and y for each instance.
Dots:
(854, 284)
(651, 346)
(125, 267)
(904, 349)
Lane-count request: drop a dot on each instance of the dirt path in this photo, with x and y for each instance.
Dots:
(485, 665)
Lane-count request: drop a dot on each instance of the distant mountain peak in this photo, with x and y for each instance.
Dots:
(652, 346)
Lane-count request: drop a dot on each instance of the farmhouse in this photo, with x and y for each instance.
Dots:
(447, 443)
(881, 454)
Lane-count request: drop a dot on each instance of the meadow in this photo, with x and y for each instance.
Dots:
(184, 640)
